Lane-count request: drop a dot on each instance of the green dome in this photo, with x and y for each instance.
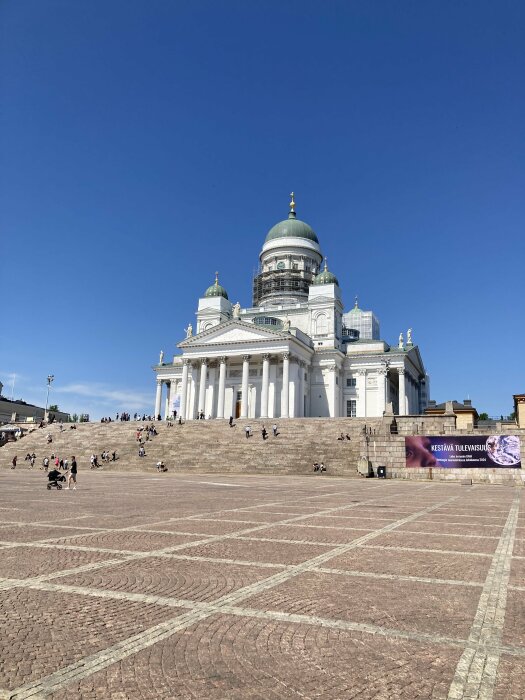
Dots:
(216, 290)
(325, 277)
(291, 228)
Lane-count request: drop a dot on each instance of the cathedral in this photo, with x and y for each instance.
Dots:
(295, 352)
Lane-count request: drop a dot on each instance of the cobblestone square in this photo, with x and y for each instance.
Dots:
(236, 587)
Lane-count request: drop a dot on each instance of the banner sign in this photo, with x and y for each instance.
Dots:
(462, 451)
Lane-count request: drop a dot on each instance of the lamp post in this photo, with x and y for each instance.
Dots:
(50, 378)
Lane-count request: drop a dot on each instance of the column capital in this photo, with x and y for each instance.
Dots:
(383, 371)
(186, 361)
(302, 363)
(266, 356)
(245, 358)
(159, 381)
(204, 360)
(401, 370)
(361, 372)
(286, 355)
(223, 359)
(332, 368)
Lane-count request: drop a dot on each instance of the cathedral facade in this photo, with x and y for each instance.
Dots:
(294, 353)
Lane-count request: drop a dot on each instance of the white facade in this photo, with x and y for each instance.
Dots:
(289, 356)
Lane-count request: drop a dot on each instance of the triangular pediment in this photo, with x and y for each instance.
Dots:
(232, 332)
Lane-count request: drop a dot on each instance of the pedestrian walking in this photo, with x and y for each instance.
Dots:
(72, 477)
(14, 462)
(274, 429)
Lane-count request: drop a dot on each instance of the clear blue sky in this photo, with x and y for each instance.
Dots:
(145, 144)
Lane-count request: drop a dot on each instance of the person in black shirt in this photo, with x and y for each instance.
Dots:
(72, 477)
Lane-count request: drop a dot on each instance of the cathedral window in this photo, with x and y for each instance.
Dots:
(321, 324)
(351, 408)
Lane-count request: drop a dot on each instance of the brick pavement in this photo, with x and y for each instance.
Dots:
(240, 587)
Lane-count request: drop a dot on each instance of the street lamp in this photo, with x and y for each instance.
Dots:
(50, 378)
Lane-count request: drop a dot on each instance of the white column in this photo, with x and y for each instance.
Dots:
(222, 387)
(382, 379)
(361, 393)
(158, 397)
(285, 393)
(333, 395)
(272, 390)
(402, 392)
(173, 392)
(167, 401)
(210, 394)
(202, 386)
(245, 379)
(265, 385)
(301, 389)
(413, 409)
(184, 390)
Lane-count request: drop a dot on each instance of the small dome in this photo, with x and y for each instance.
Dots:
(216, 290)
(292, 227)
(356, 309)
(325, 277)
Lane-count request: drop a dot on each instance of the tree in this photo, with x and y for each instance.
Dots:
(74, 418)
(53, 407)
(483, 416)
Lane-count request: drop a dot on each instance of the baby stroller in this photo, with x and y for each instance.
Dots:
(54, 479)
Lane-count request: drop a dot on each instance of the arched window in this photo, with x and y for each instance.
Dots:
(321, 324)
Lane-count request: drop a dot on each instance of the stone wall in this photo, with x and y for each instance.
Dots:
(385, 448)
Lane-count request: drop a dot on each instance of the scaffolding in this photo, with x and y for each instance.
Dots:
(281, 286)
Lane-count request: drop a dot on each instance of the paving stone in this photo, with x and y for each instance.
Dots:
(414, 563)
(437, 541)
(400, 605)
(238, 659)
(378, 607)
(192, 580)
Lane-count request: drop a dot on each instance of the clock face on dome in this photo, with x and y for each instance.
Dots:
(280, 265)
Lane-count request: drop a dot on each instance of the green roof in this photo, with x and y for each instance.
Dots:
(216, 290)
(325, 277)
(292, 227)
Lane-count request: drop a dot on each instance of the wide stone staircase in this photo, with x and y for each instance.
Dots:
(205, 446)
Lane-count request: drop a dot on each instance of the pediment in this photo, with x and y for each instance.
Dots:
(231, 332)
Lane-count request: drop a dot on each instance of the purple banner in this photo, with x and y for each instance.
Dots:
(459, 452)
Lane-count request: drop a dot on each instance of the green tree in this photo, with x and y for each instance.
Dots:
(53, 407)
(483, 416)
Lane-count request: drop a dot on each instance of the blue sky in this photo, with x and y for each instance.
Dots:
(147, 144)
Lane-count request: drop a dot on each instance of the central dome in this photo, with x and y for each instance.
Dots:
(292, 227)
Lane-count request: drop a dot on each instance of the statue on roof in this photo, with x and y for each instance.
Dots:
(401, 341)
(161, 357)
(236, 310)
(189, 331)
(286, 324)
(409, 336)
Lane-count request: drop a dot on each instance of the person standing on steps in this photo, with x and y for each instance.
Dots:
(14, 462)
(264, 433)
(274, 430)
(230, 422)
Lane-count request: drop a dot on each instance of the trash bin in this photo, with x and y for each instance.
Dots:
(381, 472)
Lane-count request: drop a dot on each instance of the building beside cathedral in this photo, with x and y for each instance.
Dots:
(294, 352)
